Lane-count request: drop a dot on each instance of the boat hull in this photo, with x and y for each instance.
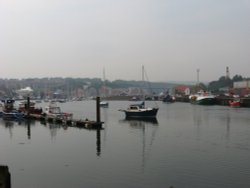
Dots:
(150, 113)
(12, 115)
(104, 104)
(235, 104)
(207, 101)
(203, 100)
(168, 99)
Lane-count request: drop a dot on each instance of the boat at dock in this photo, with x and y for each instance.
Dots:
(8, 110)
(202, 98)
(168, 99)
(53, 112)
(235, 103)
(29, 107)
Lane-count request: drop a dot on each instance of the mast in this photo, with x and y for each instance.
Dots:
(198, 80)
(143, 73)
(143, 84)
(104, 84)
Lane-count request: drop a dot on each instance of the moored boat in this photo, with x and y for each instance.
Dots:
(202, 98)
(9, 112)
(53, 112)
(168, 99)
(140, 111)
(235, 103)
(104, 104)
(30, 108)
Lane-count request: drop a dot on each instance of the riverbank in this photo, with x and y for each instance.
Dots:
(224, 101)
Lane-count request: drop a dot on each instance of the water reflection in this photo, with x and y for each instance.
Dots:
(197, 116)
(5, 177)
(140, 122)
(228, 122)
(147, 135)
(98, 142)
(53, 129)
(8, 125)
(212, 116)
(28, 130)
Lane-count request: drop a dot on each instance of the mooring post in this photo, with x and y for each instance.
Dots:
(5, 177)
(98, 114)
(28, 106)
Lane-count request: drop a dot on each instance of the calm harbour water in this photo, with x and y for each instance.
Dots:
(189, 146)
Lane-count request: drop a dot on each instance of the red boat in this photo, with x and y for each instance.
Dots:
(235, 103)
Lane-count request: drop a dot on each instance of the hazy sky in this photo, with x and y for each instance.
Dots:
(171, 38)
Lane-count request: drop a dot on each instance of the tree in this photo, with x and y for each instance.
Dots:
(237, 78)
(224, 82)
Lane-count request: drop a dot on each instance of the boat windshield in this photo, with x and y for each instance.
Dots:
(140, 105)
(55, 110)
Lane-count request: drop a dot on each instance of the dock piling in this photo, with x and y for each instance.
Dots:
(98, 114)
(28, 106)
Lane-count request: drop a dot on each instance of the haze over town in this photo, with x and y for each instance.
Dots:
(78, 38)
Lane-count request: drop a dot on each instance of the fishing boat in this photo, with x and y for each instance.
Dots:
(139, 110)
(53, 112)
(9, 111)
(202, 98)
(168, 99)
(235, 103)
(30, 108)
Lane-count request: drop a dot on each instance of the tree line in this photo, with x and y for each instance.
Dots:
(225, 82)
(40, 86)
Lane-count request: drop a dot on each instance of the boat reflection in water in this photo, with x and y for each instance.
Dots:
(5, 180)
(11, 123)
(148, 128)
(141, 121)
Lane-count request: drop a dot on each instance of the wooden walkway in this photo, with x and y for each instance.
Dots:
(73, 122)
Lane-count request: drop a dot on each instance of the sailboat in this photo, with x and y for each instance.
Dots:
(139, 110)
(104, 104)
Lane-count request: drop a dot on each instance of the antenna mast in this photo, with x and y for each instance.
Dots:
(198, 76)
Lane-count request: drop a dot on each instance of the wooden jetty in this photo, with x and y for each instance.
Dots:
(74, 122)
(86, 123)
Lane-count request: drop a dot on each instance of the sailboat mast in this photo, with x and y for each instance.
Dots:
(143, 95)
(104, 80)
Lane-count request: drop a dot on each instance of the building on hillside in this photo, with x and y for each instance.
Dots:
(182, 90)
(241, 88)
(105, 91)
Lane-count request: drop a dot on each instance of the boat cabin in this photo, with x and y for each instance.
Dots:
(53, 110)
(8, 104)
(137, 106)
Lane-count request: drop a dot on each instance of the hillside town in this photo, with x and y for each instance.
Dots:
(80, 89)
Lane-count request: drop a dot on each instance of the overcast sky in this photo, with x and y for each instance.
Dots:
(78, 38)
